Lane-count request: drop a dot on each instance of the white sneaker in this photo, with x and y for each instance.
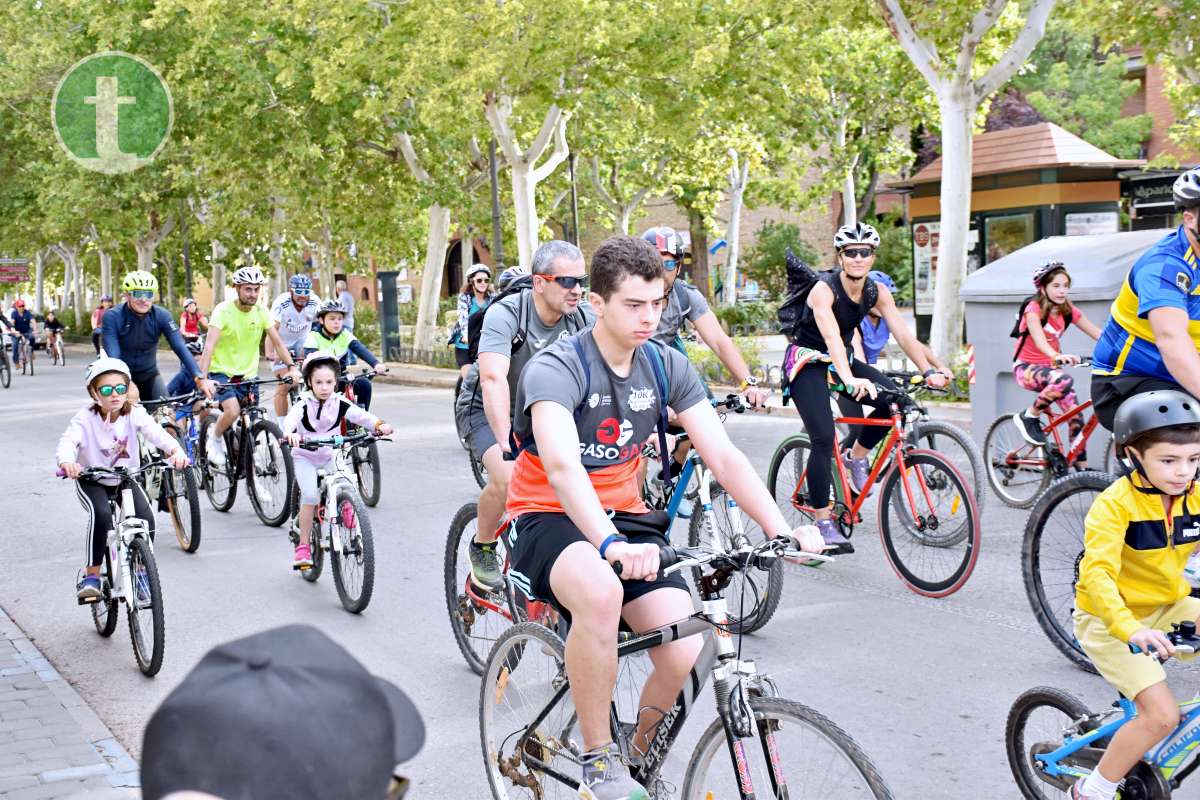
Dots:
(215, 449)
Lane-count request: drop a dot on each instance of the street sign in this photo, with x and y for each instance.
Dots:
(11, 278)
(24, 262)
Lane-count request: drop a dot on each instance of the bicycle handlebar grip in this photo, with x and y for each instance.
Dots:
(667, 557)
(60, 473)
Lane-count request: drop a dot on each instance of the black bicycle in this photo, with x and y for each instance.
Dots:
(254, 450)
(760, 745)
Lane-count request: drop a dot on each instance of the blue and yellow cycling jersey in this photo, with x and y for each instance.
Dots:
(1166, 276)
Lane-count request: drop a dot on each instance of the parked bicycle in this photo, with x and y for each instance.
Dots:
(341, 526)
(129, 573)
(760, 744)
(255, 451)
(1052, 739)
(928, 520)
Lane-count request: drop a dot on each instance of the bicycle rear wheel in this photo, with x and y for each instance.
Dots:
(183, 502)
(1017, 484)
(959, 449)
(5, 368)
(931, 539)
(523, 673)
(1036, 725)
(220, 482)
(478, 470)
(1112, 464)
(269, 473)
(800, 753)
(786, 479)
(147, 629)
(354, 562)
(106, 609)
(1050, 556)
(367, 472)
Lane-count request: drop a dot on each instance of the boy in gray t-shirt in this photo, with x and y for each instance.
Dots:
(585, 407)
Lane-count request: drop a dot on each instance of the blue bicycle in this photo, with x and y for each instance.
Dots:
(717, 523)
(1053, 740)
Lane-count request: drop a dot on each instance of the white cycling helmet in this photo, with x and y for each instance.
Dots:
(858, 233)
(509, 275)
(103, 365)
(249, 275)
(1187, 189)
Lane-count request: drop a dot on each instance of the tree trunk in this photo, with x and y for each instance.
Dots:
(169, 268)
(80, 287)
(699, 252)
(957, 111)
(737, 191)
(327, 264)
(39, 277)
(188, 288)
(524, 192)
(467, 250)
(218, 272)
(431, 276)
(106, 281)
(849, 204)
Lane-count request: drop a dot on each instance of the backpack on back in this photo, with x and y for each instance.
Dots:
(800, 280)
(1022, 335)
(475, 321)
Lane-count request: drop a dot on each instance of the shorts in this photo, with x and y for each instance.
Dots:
(1109, 391)
(243, 393)
(462, 356)
(1130, 673)
(480, 436)
(297, 358)
(150, 387)
(536, 540)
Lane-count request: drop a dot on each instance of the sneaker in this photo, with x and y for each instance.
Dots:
(860, 472)
(88, 590)
(833, 537)
(485, 565)
(1076, 792)
(685, 509)
(142, 584)
(215, 449)
(1030, 428)
(302, 559)
(606, 777)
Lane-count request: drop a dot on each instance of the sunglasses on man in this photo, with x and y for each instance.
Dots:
(107, 390)
(670, 264)
(301, 292)
(858, 252)
(568, 282)
(142, 294)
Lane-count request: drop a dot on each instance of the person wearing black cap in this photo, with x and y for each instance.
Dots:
(286, 713)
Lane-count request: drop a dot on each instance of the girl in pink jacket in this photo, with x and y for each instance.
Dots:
(104, 434)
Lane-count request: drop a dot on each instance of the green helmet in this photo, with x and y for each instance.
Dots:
(140, 279)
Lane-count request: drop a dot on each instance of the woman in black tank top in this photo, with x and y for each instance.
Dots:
(837, 303)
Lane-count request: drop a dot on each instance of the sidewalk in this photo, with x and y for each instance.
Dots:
(52, 745)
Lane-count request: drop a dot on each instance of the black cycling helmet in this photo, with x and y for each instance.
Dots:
(1151, 411)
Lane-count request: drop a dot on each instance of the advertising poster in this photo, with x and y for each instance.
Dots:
(925, 245)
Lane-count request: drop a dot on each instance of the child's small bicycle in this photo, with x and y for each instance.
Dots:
(1053, 739)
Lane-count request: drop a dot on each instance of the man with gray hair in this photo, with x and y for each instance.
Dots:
(548, 307)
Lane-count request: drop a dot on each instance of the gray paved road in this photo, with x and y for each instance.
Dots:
(923, 685)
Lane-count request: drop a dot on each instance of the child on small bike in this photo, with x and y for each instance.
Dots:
(319, 413)
(1139, 534)
(1039, 355)
(104, 434)
(329, 335)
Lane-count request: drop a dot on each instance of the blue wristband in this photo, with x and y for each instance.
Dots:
(609, 540)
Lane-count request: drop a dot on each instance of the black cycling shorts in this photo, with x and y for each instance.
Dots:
(1109, 391)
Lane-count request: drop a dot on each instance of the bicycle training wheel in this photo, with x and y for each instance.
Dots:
(1051, 553)
(147, 630)
(106, 609)
(1017, 470)
(753, 594)
(367, 472)
(786, 479)
(523, 674)
(183, 501)
(797, 747)
(931, 537)
(220, 481)
(354, 561)
(957, 447)
(477, 616)
(269, 473)
(1038, 723)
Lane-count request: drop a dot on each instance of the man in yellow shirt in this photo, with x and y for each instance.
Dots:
(1139, 534)
(235, 332)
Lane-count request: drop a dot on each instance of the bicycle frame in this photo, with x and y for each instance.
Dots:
(1168, 756)
(125, 529)
(1077, 448)
(535, 610)
(329, 479)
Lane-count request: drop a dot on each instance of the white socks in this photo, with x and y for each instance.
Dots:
(1097, 787)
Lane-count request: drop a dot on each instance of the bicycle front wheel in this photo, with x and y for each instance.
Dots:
(800, 753)
(106, 609)
(269, 473)
(1035, 726)
(354, 561)
(928, 524)
(183, 501)
(367, 472)
(958, 447)
(523, 673)
(786, 479)
(478, 470)
(1050, 556)
(147, 629)
(1017, 470)
(5, 369)
(220, 481)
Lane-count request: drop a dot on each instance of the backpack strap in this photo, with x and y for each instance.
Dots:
(1024, 337)
(660, 377)
(518, 340)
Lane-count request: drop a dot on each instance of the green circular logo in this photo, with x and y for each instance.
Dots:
(112, 112)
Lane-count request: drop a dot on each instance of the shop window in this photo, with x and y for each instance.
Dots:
(1005, 234)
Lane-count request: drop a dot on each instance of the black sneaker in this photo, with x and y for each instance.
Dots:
(1030, 428)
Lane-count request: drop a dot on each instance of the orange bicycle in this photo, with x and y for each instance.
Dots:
(928, 520)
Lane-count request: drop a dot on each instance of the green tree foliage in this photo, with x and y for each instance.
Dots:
(765, 262)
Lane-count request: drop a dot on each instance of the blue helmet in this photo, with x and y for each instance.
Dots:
(884, 279)
(300, 283)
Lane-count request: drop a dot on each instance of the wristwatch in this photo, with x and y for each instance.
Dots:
(750, 381)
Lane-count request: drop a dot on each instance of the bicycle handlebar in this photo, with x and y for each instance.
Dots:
(339, 440)
(124, 473)
(255, 382)
(1182, 636)
(677, 559)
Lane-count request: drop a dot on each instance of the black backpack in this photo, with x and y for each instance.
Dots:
(794, 308)
(475, 321)
(1020, 335)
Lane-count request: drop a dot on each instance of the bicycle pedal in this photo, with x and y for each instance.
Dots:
(87, 601)
(301, 567)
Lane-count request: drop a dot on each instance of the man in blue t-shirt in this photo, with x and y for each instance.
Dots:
(23, 326)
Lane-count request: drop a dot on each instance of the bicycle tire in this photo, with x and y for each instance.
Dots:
(1002, 438)
(367, 472)
(1059, 513)
(184, 507)
(892, 537)
(148, 662)
(1112, 464)
(478, 470)
(1031, 781)
(506, 659)
(357, 553)
(788, 463)
(280, 461)
(220, 483)
(924, 435)
(763, 598)
(106, 610)
(5, 368)
(778, 714)
(313, 573)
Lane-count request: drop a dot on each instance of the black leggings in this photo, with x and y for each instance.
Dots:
(810, 392)
(96, 340)
(151, 387)
(94, 497)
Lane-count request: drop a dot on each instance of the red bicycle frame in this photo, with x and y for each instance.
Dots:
(535, 610)
(1077, 449)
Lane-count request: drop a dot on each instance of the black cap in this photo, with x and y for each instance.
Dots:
(283, 713)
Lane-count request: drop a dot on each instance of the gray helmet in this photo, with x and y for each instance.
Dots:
(1187, 189)
(1164, 408)
(509, 275)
